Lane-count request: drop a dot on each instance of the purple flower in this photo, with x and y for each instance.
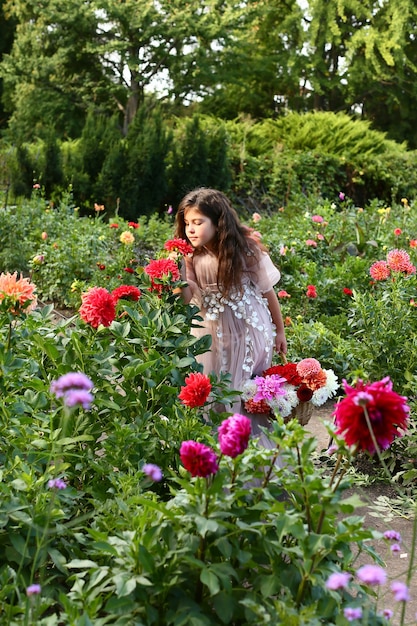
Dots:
(72, 380)
(152, 471)
(395, 548)
(78, 396)
(392, 535)
(269, 387)
(57, 483)
(338, 580)
(234, 433)
(170, 210)
(387, 613)
(352, 613)
(33, 590)
(400, 591)
(342, 196)
(372, 575)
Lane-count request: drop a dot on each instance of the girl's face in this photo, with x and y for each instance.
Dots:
(199, 229)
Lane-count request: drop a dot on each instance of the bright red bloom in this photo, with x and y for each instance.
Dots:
(126, 292)
(98, 307)
(287, 371)
(413, 243)
(347, 291)
(129, 270)
(162, 270)
(179, 245)
(283, 294)
(380, 270)
(234, 435)
(133, 224)
(388, 414)
(198, 459)
(196, 391)
(114, 225)
(397, 232)
(311, 291)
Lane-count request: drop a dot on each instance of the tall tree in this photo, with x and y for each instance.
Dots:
(7, 32)
(69, 54)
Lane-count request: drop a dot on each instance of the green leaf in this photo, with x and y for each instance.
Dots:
(125, 584)
(210, 579)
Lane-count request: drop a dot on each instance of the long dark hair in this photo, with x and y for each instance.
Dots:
(232, 241)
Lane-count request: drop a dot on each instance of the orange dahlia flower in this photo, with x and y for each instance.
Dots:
(18, 293)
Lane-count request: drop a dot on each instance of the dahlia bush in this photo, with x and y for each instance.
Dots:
(127, 499)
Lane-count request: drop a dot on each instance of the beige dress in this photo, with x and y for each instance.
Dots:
(240, 324)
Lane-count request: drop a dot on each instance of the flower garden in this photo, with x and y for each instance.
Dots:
(127, 498)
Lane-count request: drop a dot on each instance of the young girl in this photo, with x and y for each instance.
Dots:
(230, 277)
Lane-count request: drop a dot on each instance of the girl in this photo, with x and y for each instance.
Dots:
(230, 277)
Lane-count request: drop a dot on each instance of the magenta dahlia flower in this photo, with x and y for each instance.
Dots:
(198, 459)
(234, 433)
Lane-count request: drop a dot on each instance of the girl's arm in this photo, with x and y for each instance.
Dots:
(275, 309)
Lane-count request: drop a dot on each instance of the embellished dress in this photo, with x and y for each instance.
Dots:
(240, 324)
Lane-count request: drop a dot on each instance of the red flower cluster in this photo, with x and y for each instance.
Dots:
(179, 245)
(291, 375)
(126, 292)
(98, 307)
(234, 435)
(133, 224)
(388, 414)
(162, 270)
(347, 291)
(196, 391)
(198, 459)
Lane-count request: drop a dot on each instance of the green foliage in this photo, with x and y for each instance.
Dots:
(199, 156)
(114, 546)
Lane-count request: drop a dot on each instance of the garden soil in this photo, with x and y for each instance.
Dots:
(379, 514)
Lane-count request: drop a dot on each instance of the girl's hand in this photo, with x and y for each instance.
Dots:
(280, 342)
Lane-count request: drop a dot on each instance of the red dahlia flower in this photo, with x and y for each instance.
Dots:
(234, 435)
(287, 371)
(126, 292)
(162, 270)
(304, 393)
(387, 411)
(311, 291)
(196, 391)
(198, 459)
(179, 245)
(98, 307)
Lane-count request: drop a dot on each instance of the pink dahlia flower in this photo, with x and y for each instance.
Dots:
(234, 433)
(198, 459)
(307, 368)
(380, 270)
(398, 260)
